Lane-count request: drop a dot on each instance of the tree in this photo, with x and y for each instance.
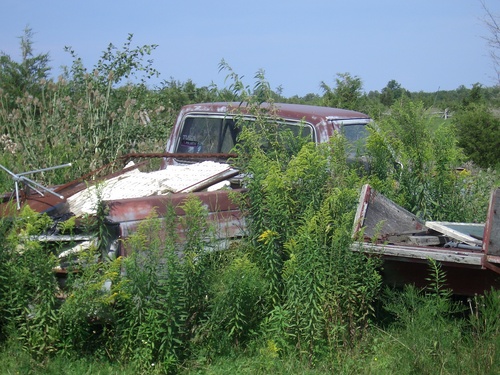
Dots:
(474, 96)
(492, 23)
(25, 76)
(347, 93)
(478, 129)
(115, 67)
(392, 92)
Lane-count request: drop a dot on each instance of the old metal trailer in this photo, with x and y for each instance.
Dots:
(468, 252)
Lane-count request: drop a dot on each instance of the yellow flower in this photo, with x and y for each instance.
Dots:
(464, 173)
(267, 236)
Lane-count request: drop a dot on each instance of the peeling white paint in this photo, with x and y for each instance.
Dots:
(136, 184)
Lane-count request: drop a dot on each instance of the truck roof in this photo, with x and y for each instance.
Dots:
(299, 112)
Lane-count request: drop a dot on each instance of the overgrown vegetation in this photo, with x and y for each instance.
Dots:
(291, 297)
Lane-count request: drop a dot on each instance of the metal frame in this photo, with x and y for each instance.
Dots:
(21, 177)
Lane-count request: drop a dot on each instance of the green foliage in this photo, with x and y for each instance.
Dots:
(292, 297)
(485, 331)
(237, 304)
(330, 289)
(239, 91)
(300, 220)
(392, 92)
(425, 326)
(478, 131)
(16, 78)
(85, 317)
(13, 360)
(437, 280)
(115, 65)
(199, 264)
(83, 118)
(485, 317)
(29, 286)
(143, 309)
(174, 94)
(151, 306)
(347, 93)
(415, 163)
(430, 332)
(424, 337)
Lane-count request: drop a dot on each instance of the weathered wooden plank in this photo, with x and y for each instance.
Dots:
(462, 232)
(61, 238)
(381, 217)
(426, 240)
(491, 238)
(405, 253)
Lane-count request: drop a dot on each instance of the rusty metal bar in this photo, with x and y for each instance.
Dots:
(178, 155)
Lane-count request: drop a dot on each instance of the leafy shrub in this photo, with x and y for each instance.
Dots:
(150, 305)
(300, 216)
(29, 286)
(237, 303)
(86, 318)
(425, 336)
(478, 130)
(418, 165)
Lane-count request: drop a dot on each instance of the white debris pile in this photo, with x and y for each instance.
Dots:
(136, 184)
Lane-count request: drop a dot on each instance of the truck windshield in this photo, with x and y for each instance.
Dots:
(207, 135)
(210, 134)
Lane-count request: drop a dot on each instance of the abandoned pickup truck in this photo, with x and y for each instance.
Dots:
(202, 137)
(195, 162)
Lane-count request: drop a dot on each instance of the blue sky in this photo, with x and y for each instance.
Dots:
(425, 45)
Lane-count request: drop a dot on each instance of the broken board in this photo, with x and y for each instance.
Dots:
(380, 217)
(469, 233)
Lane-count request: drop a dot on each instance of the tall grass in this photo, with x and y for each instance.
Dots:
(84, 118)
(88, 130)
(417, 163)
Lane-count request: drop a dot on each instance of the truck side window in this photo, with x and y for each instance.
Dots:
(302, 131)
(287, 134)
(229, 135)
(356, 135)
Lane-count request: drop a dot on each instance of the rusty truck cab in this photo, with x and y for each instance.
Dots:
(213, 128)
